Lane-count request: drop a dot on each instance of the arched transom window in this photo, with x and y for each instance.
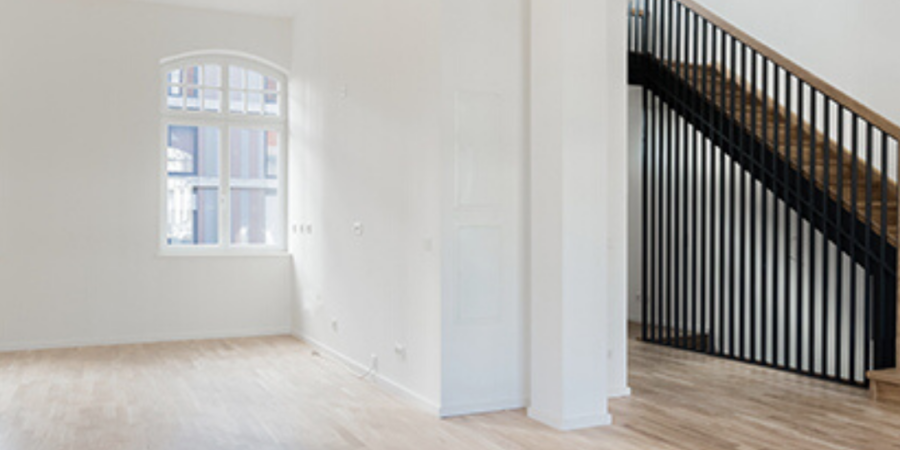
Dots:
(223, 150)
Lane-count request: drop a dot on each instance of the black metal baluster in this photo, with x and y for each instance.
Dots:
(755, 158)
(885, 350)
(801, 212)
(839, 263)
(787, 223)
(722, 200)
(733, 177)
(867, 334)
(645, 157)
(679, 177)
(778, 182)
(670, 120)
(743, 163)
(768, 165)
(704, 180)
(826, 251)
(658, 185)
(694, 217)
(812, 232)
(671, 171)
(854, 207)
(681, 305)
(658, 292)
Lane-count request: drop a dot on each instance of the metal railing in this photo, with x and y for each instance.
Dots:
(769, 202)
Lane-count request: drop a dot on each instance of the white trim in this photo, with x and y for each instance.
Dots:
(621, 392)
(388, 385)
(482, 408)
(208, 55)
(570, 423)
(146, 339)
(179, 252)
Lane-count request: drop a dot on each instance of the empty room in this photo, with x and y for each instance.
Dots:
(449, 224)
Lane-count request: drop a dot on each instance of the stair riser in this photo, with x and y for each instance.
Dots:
(885, 392)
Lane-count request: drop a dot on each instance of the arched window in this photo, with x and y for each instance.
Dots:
(224, 122)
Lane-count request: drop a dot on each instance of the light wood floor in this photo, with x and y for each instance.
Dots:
(272, 393)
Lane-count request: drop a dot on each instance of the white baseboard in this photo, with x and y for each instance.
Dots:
(481, 408)
(147, 339)
(621, 392)
(381, 381)
(570, 423)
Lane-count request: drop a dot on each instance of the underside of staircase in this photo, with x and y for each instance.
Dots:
(827, 174)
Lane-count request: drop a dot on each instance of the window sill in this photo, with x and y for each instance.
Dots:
(215, 253)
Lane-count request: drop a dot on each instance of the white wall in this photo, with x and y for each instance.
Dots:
(366, 147)
(484, 126)
(409, 118)
(848, 43)
(80, 174)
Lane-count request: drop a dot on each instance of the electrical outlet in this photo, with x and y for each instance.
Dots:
(358, 228)
(400, 350)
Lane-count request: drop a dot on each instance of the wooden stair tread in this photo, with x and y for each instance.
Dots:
(885, 375)
(773, 123)
(885, 385)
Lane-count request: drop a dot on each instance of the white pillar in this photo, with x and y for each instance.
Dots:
(579, 210)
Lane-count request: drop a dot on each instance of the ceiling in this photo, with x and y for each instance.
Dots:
(273, 8)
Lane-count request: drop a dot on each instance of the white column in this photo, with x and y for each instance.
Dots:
(579, 210)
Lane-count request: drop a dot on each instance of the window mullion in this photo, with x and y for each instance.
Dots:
(225, 188)
(226, 89)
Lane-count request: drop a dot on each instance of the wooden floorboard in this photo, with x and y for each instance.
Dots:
(273, 393)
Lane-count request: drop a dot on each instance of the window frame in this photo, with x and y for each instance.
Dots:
(224, 121)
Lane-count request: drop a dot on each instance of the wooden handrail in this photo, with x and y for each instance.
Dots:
(808, 77)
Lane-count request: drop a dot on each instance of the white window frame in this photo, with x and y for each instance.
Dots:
(224, 121)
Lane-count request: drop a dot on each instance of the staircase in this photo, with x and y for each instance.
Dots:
(770, 205)
(826, 164)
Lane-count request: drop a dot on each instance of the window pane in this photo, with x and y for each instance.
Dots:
(236, 78)
(255, 196)
(175, 76)
(192, 99)
(272, 105)
(212, 100)
(192, 75)
(236, 102)
(192, 185)
(174, 99)
(254, 80)
(212, 76)
(271, 84)
(254, 103)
